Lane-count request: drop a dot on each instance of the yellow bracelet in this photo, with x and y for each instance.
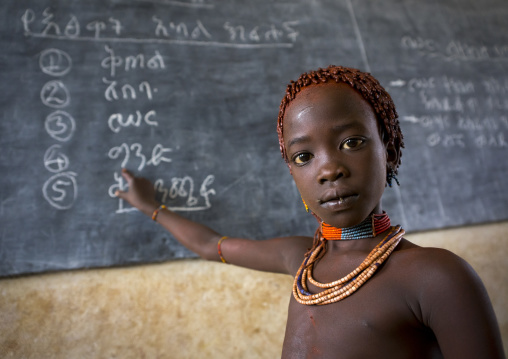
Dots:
(219, 250)
(156, 212)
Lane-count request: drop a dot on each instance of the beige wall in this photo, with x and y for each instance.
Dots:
(191, 308)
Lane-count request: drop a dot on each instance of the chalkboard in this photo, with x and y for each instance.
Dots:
(186, 93)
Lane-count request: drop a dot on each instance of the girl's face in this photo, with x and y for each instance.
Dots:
(337, 158)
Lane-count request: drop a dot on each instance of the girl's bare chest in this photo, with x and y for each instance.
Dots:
(376, 316)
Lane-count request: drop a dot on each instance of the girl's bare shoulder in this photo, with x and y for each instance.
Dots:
(434, 272)
(431, 255)
(447, 295)
(430, 260)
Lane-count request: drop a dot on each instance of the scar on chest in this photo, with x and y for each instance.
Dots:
(312, 321)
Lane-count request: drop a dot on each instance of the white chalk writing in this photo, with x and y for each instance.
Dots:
(455, 50)
(134, 153)
(496, 86)
(61, 190)
(54, 160)
(127, 91)
(113, 62)
(60, 125)
(97, 26)
(55, 94)
(194, 33)
(454, 107)
(184, 188)
(116, 121)
(263, 32)
(492, 140)
(55, 62)
(180, 196)
(446, 140)
(440, 121)
(181, 30)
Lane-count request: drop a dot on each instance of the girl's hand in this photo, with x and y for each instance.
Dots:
(140, 194)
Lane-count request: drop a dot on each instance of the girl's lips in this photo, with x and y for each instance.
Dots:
(339, 203)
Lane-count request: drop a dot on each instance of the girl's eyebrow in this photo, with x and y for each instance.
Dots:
(337, 128)
(297, 140)
(344, 126)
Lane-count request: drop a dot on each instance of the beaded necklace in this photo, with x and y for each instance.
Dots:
(344, 287)
(369, 228)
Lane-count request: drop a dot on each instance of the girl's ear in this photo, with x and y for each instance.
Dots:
(392, 156)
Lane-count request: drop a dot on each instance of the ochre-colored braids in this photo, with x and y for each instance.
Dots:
(369, 88)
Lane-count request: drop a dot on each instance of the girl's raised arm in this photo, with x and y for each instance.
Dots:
(270, 255)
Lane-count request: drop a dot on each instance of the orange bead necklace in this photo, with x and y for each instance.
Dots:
(344, 287)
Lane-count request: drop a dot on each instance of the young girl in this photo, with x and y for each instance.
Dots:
(361, 290)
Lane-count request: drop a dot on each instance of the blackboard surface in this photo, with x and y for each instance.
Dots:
(186, 93)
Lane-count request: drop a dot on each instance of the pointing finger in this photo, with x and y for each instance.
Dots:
(127, 175)
(120, 194)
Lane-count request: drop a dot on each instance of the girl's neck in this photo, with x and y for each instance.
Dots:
(373, 225)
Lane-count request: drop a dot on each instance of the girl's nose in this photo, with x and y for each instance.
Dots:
(331, 170)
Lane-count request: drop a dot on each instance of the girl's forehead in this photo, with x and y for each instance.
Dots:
(330, 99)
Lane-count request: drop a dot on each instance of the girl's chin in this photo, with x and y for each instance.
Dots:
(345, 220)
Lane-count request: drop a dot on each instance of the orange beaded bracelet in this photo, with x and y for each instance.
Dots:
(156, 212)
(219, 250)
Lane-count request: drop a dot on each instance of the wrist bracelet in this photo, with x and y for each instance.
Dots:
(219, 250)
(156, 212)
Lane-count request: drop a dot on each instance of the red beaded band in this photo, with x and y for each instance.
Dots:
(156, 212)
(219, 250)
(380, 223)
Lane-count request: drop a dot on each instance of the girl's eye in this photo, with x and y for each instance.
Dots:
(352, 143)
(302, 158)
